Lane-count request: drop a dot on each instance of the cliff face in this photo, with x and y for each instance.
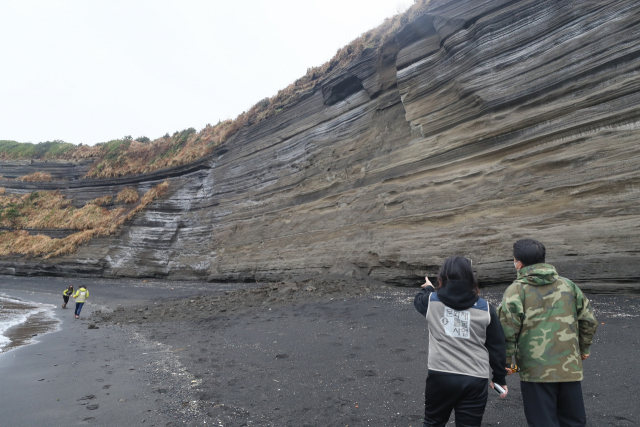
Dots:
(481, 123)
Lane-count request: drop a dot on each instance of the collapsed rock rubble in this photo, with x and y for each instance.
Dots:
(264, 297)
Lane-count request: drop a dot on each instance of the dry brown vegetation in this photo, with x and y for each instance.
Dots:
(35, 177)
(50, 209)
(127, 156)
(100, 201)
(128, 195)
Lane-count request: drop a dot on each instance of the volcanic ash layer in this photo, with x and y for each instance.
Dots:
(481, 122)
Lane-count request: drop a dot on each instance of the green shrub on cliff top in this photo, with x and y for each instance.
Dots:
(126, 156)
(42, 150)
(113, 149)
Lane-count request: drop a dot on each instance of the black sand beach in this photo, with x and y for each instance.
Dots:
(301, 359)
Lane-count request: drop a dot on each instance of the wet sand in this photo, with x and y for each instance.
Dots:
(38, 322)
(101, 376)
(336, 359)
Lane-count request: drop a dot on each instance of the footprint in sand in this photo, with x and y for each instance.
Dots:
(106, 387)
(367, 373)
(87, 397)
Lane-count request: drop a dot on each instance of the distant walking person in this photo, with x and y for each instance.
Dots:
(549, 326)
(66, 294)
(81, 296)
(466, 346)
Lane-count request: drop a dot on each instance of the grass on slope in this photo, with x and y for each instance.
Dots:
(12, 150)
(50, 209)
(127, 156)
(35, 177)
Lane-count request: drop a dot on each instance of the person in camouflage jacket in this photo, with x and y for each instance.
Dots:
(549, 327)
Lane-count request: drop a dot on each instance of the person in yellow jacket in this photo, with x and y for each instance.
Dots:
(80, 296)
(66, 294)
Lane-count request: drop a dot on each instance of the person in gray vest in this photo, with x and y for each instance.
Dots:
(466, 346)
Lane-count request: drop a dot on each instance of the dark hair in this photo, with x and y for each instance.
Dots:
(529, 252)
(457, 268)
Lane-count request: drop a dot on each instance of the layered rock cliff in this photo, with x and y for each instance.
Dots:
(481, 122)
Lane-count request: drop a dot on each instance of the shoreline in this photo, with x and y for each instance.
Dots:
(29, 319)
(342, 359)
(81, 376)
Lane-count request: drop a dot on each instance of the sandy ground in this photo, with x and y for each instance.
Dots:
(192, 357)
(109, 376)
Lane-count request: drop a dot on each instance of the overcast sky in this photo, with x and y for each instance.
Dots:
(91, 71)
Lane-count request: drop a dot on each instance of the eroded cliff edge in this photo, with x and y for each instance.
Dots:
(482, 122)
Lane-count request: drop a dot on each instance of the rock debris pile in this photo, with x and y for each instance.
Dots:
(264, 297)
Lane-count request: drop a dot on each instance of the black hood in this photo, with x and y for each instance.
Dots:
(458, 295)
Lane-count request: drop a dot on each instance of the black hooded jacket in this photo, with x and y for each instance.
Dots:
(460, 296)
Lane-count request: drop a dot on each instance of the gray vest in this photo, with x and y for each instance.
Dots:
(456, 338)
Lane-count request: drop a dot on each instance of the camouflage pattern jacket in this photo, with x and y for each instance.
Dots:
(548, 323)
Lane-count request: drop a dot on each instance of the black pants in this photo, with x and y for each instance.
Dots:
(553, 404)
(65, 298)
(446, 392)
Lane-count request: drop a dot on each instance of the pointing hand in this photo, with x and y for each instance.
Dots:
(427, 283)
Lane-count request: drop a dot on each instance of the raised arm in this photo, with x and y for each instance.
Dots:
(421, 301)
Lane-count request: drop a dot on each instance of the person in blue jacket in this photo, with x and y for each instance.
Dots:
(466, 346)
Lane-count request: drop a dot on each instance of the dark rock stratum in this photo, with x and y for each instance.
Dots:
(482, 122)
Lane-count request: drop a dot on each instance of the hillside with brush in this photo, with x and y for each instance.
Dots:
(25, 218)
(457, 127)
(128, 156)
